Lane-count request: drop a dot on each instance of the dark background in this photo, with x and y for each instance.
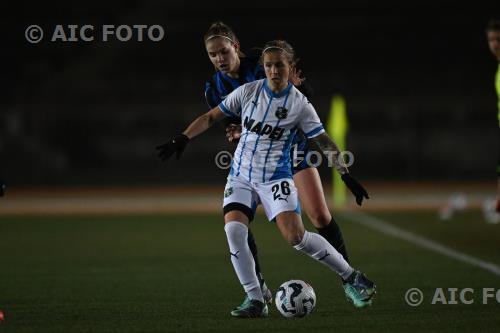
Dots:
(418, 81)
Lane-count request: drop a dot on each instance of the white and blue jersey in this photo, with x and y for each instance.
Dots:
(221, 85)
(270, 123)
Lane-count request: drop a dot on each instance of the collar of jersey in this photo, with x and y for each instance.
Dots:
(277, 95)
(242, 70)
(227, 77)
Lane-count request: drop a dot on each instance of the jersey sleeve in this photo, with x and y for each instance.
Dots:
(231, 105)
(309, 121)
(211, 95)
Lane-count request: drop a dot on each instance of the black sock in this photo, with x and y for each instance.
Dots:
(253, 249)
(333, 235)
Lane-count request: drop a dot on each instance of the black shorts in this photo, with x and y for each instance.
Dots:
(302, 162)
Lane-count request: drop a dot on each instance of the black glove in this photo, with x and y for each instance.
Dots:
(176, 145)
(355, 187)
(2, 189)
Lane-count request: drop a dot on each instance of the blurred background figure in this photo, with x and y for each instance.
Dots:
(456, 203)
(491, 208)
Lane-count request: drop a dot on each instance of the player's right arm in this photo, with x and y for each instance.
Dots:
(204, 122)
(197, 127)
(231, 106)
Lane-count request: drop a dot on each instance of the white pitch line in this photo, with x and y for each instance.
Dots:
(388, 229)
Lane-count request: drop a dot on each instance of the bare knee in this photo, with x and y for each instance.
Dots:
(320, 218)
(236, 215)
(291, 227)
(295, 237)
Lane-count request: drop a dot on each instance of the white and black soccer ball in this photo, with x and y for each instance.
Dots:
(295, 298)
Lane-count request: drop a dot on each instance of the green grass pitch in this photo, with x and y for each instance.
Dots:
(172, 273)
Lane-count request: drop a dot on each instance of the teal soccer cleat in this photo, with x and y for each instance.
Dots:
(266, 293)
(359, 290)
(251, 309)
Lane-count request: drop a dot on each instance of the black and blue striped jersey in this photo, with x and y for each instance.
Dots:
(220, 85)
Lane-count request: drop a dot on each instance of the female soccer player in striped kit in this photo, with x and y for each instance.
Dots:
(272, 110)
(233, 69)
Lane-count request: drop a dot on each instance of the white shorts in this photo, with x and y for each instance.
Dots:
(276, 196)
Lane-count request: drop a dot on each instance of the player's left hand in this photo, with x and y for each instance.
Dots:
(176, 145)
(233, 132)
(355, 187)
(296, 76)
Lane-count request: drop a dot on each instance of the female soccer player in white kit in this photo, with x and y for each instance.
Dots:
(272, 110)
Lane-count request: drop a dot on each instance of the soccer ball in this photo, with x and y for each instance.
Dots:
(295, 298)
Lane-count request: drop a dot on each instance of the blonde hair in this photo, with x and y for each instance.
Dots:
(221, 30)
(282, 46)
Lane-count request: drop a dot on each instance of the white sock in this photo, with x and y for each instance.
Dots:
(242, 259)
(316, 247)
